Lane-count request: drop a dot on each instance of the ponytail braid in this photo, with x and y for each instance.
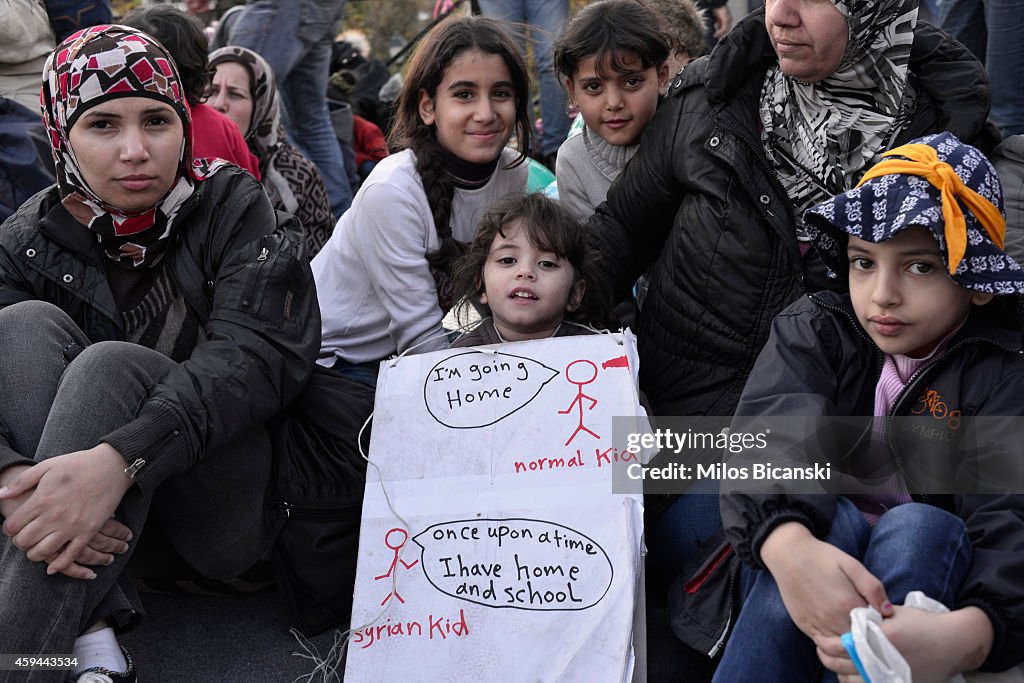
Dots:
(440, 190)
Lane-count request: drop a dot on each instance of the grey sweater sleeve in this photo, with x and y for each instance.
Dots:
(578, 179)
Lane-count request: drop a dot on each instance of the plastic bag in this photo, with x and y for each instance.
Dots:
(877, 660)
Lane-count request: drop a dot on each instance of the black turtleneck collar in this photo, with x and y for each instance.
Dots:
(465, 174)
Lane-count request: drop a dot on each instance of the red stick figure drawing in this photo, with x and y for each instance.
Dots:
(394, 563)
(579, 382)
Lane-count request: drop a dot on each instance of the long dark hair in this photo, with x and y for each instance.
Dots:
(183, 37)
(548, 226)
(425, 71)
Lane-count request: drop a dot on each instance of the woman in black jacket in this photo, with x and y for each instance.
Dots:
(742, 144)
(154, 312)
(795, 103)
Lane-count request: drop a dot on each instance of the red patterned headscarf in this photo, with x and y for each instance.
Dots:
(93, 66)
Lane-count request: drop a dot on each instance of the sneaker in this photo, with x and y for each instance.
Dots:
(98, 674)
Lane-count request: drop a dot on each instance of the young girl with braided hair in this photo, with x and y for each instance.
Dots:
(383, 278)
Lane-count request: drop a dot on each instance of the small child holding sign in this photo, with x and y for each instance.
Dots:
(921, 239)
(531, 269)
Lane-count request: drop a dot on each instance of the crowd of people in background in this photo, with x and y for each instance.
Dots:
(816, 209)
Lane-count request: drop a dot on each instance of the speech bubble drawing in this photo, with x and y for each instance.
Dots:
(527, 564)
(473, 389)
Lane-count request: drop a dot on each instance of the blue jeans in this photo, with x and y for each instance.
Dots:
(295, 38)
(993, 30)
(365, 373)
(60, 394)
(545, 19)
(912, 547)
(675, 536)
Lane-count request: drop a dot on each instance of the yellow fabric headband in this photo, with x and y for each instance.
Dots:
(922, 160)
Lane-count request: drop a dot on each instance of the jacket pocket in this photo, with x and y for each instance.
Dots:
(314, 559)
(272, 280)
(702, 601)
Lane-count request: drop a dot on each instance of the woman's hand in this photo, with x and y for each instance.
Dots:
(10, 503)
(112, 539)
(70, 501)
(819, 583)
(936, 646)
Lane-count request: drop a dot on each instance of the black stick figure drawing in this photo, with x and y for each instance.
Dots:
(578, 401)
(394, 563)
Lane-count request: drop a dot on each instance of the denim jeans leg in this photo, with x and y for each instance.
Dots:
(1004, 60)
(919, 547)
(304, 92)
(513, 12)
(547, 20)
(965, 21)
(269, 28)
(675, 536)
(272, 28)
(765, 644)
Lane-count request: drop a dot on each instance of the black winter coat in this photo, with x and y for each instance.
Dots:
(240, 267)
(819, 362)
(700, 202)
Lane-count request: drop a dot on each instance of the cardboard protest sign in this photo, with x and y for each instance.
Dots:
(492, 546)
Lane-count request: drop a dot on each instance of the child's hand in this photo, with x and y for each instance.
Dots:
(936, 646)
(819, 583)
(70, 499)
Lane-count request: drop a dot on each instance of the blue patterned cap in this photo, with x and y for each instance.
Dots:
(890, 201)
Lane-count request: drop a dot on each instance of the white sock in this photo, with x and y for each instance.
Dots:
(99, 648)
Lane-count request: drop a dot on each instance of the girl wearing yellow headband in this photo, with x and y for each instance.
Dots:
(923, 498)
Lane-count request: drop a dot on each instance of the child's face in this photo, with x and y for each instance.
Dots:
(528, 290)
(903, 295)
(474, 108)
(617, 106)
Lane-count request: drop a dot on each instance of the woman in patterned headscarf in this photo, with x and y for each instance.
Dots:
(152, 315)
(244, 90)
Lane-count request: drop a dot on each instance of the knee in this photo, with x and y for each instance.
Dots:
(921, 521)
(99, 363)
(31, 317)
(34, 331)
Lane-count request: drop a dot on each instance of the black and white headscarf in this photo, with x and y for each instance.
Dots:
(292, 181)
(822, 136)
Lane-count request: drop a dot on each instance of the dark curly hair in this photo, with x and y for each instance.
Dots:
(548, 226)
(424, 73)
(610, 30)
(183, 38)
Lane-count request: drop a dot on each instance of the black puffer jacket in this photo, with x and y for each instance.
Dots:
(240, 267)
(700, 202)
(820, 362)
